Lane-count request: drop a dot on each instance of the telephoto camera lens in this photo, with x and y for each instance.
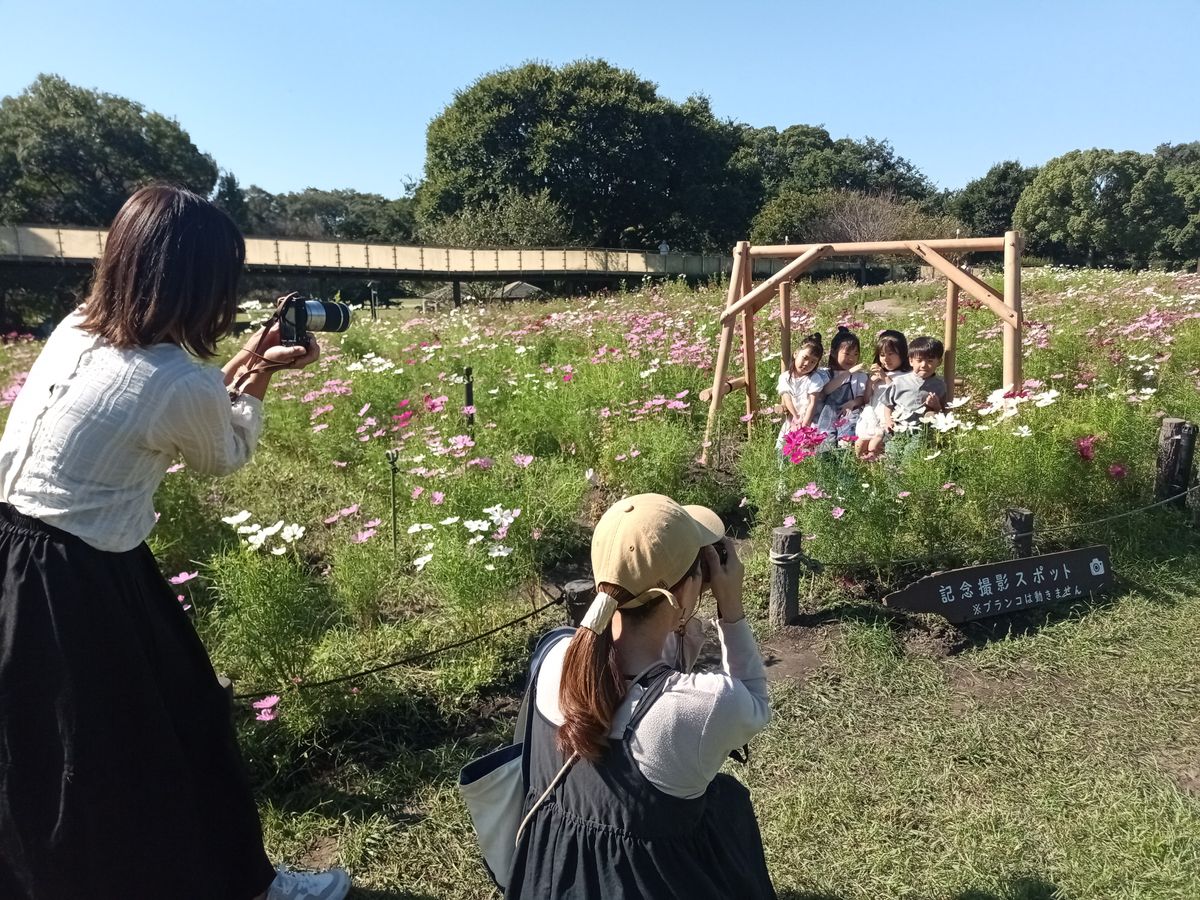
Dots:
(320, 315)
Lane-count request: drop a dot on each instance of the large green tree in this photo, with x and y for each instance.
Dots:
(986, 205)
(72, 156)
(626, 166)
(1097, 206)
(512, 220)
(805, 159)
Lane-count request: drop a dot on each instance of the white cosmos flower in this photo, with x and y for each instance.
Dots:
(279, 551)
(421, 561)
(450, 520)
(419, 526)
(1045, 398)
(248, 529)
(477, 525)
(933, 455)
(957, 402)
(292, 533)
(499, 550)
(1023, 431)
(272, 529)
(237, 518)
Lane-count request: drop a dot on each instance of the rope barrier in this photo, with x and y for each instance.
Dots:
(779, 559)
(408, 660)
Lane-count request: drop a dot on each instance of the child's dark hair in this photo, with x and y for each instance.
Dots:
(892, 341)
(813, 343)
(844, 336)
(926, 348)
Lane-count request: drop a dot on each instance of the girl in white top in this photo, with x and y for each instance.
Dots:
(625, 799)
(119, 769)
(800, 386)
(891, 358)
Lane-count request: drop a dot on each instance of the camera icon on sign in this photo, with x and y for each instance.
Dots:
(1097, 567)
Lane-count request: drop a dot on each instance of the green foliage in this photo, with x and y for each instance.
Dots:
(510, 220)
(845, 216)
(628, 167)
(986, 205)
(1097, 206)
(329, 215)
(72, 156)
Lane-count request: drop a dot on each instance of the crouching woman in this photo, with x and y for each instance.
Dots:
(624, 788)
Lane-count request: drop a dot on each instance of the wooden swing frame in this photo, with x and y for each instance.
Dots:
(744, 300)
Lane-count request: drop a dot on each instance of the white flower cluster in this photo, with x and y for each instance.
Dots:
(256, 535)
(498, 520)
(371, 363)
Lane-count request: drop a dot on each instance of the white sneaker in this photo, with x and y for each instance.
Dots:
(333, 884)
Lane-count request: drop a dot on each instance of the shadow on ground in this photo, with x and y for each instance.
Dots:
(1021, 888)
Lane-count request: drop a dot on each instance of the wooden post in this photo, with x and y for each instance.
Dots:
(785, 318)
(728, 385)
(1018, 531)
(578, 596)
(951, 337)
(469, 387)
(741, 258)
(785, 576)
(1012, 299)
(748, 366)
(1176, 450)
(457, 291)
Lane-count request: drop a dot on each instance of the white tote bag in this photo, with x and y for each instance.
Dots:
(494, 785)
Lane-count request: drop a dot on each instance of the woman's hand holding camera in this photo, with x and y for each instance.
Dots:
(725, 581)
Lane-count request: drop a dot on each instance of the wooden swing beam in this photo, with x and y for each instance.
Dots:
(744, 300)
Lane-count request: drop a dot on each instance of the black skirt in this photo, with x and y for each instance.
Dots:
(120, 774)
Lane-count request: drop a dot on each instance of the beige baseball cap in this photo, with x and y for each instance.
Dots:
(649, 541)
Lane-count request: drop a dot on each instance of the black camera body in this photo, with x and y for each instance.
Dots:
(722, 555)
(300, 315)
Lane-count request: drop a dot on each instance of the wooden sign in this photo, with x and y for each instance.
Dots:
(1004, 587)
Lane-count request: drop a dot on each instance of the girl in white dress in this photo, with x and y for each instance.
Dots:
(800, 386)
(891, 358)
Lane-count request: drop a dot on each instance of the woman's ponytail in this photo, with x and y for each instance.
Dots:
(589, 692)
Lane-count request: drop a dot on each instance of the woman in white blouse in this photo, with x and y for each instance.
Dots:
(119, 769)
(625, 799)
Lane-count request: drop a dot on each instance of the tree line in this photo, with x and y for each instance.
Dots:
(591, 154)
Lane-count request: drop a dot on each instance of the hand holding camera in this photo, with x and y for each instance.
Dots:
(723, 573)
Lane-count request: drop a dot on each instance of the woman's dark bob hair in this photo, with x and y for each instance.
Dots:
(169, 273)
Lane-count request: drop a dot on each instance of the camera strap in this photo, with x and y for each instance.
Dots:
(235, 387)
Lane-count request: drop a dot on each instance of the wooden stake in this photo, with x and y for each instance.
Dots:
(741, 258)
(1012, 299)
(785, 317)
(1018, 530)
(748, 366)
(1176, 451)
(785, 576)
(951, 337)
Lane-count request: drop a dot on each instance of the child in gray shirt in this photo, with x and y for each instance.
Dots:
(911, 395)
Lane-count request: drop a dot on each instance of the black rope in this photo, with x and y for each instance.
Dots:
(406, 661)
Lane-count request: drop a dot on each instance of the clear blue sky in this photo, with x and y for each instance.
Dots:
(297, 94)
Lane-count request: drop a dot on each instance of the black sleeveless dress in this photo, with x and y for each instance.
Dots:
(607, 833)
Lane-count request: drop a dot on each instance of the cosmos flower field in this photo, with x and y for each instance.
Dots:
(384, 515)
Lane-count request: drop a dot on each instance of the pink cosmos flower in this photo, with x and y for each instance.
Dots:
(484, 462)
(363, 536)
(536, 534)
(339, 464)
(374, 523)
(268, 702)
(175, 468)
(320, 427)
(329, 520)
(363, 411)
(183, 602)
(183, 577)
(349, 510)
(522, 459)
(468, 410)
(437, 498)
(904, 494)
(1117, 471)
(1086, 447)
(417, 492)
(837, 512)
(789, 521)
(568, 377)
(266, 715)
